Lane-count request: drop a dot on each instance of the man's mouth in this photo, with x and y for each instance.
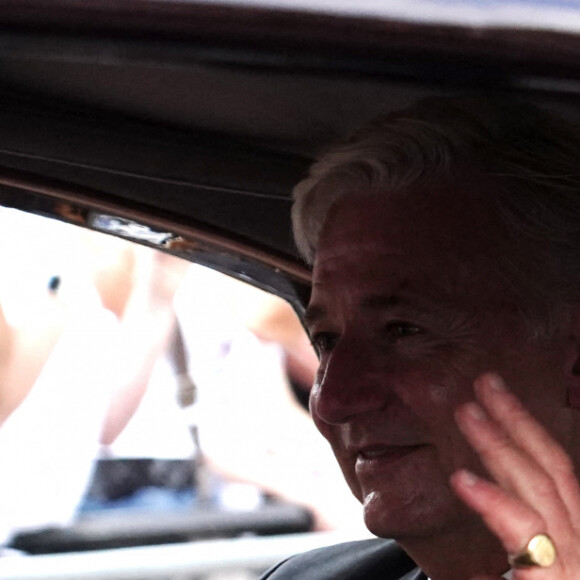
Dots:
(375, 451)
(383, 454)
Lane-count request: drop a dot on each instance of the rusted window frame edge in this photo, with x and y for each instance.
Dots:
(77, 205)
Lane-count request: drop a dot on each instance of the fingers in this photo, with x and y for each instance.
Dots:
(530, 437)
(534, 490)
(514, 524)
(517, 450)
(505, 515)
(514, 469)
(507, 410)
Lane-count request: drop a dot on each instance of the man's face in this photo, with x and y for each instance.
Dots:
(407, 310)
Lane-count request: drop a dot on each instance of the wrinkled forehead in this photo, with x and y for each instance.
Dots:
(439, 233)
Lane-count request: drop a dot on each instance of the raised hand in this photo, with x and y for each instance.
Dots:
(535, 490)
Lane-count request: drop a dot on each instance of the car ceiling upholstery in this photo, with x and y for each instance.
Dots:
(211, 115)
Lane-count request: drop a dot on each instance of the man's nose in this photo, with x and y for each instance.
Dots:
(350, 383)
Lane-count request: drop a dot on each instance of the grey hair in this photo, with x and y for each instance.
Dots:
(531, 156)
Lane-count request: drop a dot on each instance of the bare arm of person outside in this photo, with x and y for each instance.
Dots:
(147, 323)
(24, 350)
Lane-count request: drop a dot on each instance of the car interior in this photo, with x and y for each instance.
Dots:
(182, 127)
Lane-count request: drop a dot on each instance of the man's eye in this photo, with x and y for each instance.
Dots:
(324, 341)
(398, 329)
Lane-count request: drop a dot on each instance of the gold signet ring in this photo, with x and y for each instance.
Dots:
(540, 552)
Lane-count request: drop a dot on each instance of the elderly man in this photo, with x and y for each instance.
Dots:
(445, 310)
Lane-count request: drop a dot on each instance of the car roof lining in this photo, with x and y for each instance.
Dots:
(208, 116)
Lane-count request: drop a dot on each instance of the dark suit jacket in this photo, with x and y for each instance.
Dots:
(363, 560)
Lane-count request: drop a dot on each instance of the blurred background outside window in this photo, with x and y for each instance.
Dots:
(146, 400)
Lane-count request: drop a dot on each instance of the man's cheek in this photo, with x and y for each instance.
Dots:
(428, 398)
(433, 392)
(438, 395)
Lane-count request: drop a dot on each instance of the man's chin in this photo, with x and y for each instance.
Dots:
(398, 518)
